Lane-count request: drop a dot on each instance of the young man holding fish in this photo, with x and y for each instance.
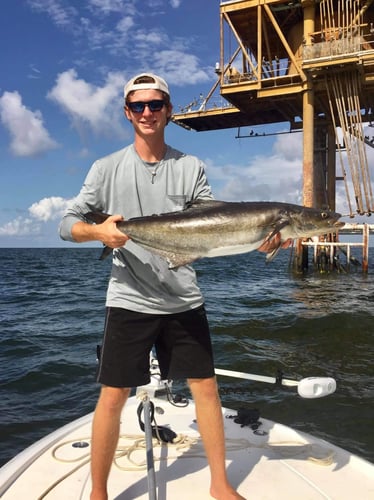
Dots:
(146, 300)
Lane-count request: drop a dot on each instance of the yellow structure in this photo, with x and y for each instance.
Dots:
(306, 62)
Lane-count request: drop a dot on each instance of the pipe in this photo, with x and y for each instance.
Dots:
(151, 475)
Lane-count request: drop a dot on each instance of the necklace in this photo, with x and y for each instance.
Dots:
(152, 168)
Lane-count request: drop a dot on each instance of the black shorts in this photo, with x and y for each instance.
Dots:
(182, 342)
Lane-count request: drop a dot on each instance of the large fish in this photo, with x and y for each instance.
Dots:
(211, 228)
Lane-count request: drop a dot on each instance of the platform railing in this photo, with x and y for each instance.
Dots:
(329, 249)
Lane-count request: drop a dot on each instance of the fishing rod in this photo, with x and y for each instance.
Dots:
(309, 387)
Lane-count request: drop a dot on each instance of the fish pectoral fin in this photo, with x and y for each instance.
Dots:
(285, 244)
(271, 255)
(273, 242)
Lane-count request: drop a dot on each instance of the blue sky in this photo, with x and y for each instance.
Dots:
(64, 64)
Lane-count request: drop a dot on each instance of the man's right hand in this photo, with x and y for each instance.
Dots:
(110, 235)
(106, 232)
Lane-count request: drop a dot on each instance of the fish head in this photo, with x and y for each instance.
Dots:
(309, 222)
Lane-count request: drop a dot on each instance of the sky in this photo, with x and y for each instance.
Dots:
(63, 67)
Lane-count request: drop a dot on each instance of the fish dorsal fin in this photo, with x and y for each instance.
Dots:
(96, 217)
(191, 207)
(206, 203)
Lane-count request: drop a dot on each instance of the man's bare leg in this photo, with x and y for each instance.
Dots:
(105, 434)
(210, 422)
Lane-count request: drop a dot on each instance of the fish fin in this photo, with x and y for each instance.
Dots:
(278, 228)
(282, 244)
(273, 242)
(99, 218)
(204, 202)
(271, 255)
(180, 260)
(96, 217)
(105, 253)
(173, 259)
(191, 206)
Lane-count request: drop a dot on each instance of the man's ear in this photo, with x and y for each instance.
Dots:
(170, 109)
(126, 113)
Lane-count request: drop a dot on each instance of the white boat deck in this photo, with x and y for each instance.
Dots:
(281, 464)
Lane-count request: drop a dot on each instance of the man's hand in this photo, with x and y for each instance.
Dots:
(106, 232)
(109, 234)
(271, 244)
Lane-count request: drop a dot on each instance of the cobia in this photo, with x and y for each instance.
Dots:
(212, 228)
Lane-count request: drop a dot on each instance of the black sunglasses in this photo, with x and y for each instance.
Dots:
(139, 106)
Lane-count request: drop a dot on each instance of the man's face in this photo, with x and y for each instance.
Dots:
(151, 115)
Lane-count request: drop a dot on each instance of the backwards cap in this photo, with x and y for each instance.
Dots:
(146, 81)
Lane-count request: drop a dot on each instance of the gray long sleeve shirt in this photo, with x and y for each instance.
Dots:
(122, 183)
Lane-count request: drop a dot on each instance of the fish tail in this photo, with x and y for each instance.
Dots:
(105, 253)
(99, 218)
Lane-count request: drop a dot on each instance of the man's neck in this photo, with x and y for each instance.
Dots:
(150, 151)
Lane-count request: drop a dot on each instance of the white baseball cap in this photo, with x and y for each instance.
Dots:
(146, 81)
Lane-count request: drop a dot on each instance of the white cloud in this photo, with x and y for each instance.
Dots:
(180, 67)
(109, 6)
(49, 208)
(29, 137)
(85, 103)
(124, 25)
(61, 15)
(20, 227)
(276, 175)
(40, 212)
(273, 177)
(145, 38)
(34, 72)
(289, 146)
(116, 28)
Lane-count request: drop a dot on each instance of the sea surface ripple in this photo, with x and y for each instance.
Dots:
(263, 319)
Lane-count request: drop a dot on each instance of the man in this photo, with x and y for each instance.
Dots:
(145, 300)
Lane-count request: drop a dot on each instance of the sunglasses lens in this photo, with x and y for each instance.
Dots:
(155, 105)
(136, 107)
(139, 106)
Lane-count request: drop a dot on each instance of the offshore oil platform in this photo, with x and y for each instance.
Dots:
(309, 63)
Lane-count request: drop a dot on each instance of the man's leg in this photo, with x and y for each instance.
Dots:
(105, 434)
(210, 422)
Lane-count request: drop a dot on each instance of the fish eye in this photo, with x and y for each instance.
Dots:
(324, 215)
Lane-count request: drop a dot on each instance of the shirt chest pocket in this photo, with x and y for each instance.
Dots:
(175, 202)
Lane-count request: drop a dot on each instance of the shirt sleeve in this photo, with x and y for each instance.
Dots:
(202, 189)
(88, 200)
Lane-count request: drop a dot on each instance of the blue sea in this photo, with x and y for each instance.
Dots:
(263, 319)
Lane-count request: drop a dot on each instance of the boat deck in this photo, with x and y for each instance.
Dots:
(279, 462)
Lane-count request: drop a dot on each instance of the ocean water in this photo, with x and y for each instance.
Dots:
(263, 319)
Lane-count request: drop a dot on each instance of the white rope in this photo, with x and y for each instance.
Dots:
(185, 447)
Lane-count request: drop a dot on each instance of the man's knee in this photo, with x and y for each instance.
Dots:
(204, 387)
(112, 399)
